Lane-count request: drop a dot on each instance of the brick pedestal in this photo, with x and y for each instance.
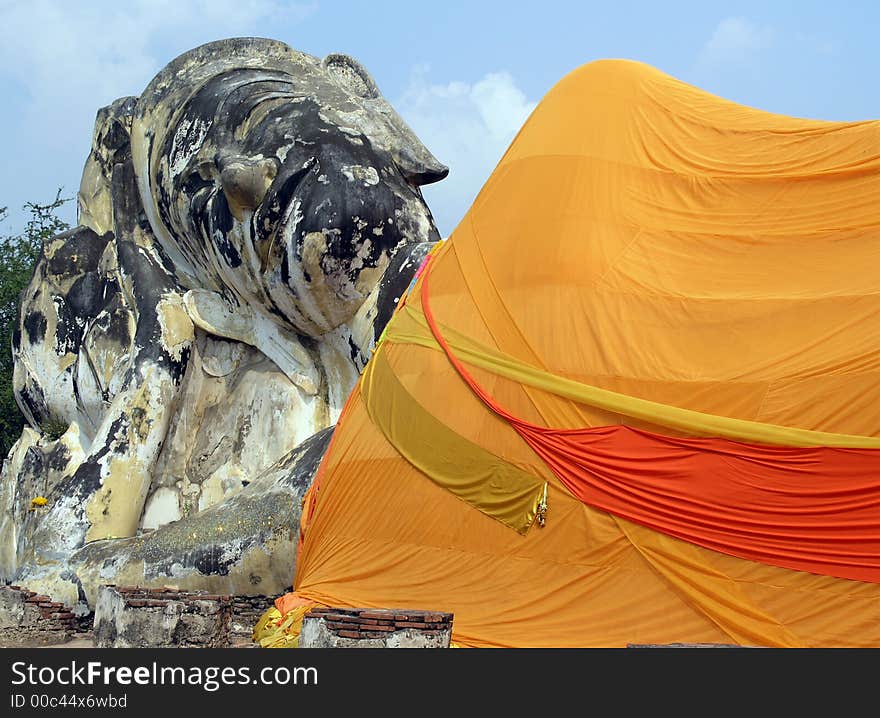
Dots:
(246, 611)
(131, 617)
(375, 628)
(30, 619)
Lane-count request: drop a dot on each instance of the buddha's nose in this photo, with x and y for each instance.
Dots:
(419, 166)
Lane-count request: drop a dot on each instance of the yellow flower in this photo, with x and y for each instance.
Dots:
(39, 501)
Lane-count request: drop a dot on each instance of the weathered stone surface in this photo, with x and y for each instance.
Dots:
(137, 618)
(243, 545)
(246, 226)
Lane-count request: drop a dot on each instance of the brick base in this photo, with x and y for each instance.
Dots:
(28, 618)
(246, 611)
(375, 628)
(131, 616)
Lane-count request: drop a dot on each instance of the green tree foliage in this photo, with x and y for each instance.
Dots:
(18, 254)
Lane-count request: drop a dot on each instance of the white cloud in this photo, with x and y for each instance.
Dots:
(734, 40)
(62, 60)
(467, 127)
(107, 49)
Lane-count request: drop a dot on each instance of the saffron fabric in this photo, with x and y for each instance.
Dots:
(712, 269)
(413, 328)
(812, 509)
(476, 476)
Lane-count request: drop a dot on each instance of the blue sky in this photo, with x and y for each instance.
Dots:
(464, 75)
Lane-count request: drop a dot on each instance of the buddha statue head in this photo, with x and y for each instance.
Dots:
(279, 179)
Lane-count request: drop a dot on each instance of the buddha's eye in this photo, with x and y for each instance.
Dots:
(196, 182)
(206, 170)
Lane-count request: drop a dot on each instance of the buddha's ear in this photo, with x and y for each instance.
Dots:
(353, 76)
(245, 181)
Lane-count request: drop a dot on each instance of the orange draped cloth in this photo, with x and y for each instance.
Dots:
(808, 508)
(656, 329)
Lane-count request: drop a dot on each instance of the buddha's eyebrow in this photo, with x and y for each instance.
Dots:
(240, 81)
(264, 104)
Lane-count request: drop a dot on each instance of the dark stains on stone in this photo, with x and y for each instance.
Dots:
(164, 204)
(113, 322)
(202, 192)
(71, 577)
(151, 282)
(356, 355)
(85, 295)
(58, 457)
(68, 332)
(35, 325)
(86, 480)
(76, 252)
(280, 194)
(300, 465)
(140, 421)
(285, 268)
(118, 437)
(114, 123)
(178, 368)
(78, 395)
(34, 462)
(116, 137)
(32, 402)
(219, 223)
(396, 280)
(243, 431)
(208, 560)
(213, 542)
(71, 259)
(81, 484)
(198, 544)
(164, 260)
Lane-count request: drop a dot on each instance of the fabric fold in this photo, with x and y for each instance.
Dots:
(487, 482)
